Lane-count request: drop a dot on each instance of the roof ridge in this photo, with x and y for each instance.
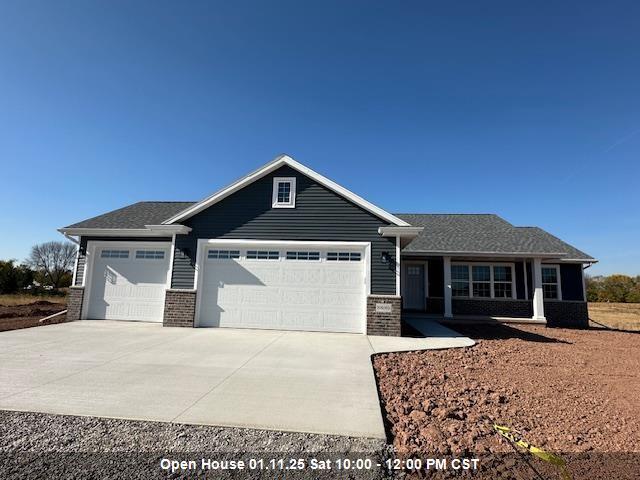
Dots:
(476, 214)
(166, 201)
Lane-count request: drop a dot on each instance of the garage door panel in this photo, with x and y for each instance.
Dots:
(341, 299)
(251, 318)
(302, 320)
(309, 296)
(251, 295)
(128, 288)
(283, 293)
(344, 277)
(228, 294)
(336, 321)
(302, 275)
(264, 274)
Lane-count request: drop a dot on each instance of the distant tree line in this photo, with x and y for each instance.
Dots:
(614, 288)
(49, 267)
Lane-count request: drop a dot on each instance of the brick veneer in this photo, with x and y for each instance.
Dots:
(384, 323)
(566, 314)
(74, 303)
(492, 307)
(179, 308)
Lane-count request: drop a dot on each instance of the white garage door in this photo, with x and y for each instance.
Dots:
(128, 282)
(292, 287)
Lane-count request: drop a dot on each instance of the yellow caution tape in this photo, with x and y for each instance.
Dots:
(514, 437)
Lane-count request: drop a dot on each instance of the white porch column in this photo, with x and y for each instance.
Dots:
(448, 311)
(538, 297)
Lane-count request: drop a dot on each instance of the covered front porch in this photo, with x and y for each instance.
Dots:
(463, 288)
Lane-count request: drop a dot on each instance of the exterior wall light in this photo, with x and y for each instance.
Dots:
(385, 257)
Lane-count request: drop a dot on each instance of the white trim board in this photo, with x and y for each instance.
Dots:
(292, 192)
(148, 231)
(280, 161)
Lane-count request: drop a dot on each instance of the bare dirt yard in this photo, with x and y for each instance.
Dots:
(622, 316)
(23, 311)
(575, 393)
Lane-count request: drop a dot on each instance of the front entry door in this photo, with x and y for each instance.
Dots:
(413, 297)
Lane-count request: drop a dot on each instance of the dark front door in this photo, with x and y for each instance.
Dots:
(413, 296)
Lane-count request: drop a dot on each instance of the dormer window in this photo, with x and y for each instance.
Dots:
(284, 192)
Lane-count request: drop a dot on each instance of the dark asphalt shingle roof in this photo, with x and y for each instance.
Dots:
(482, 233)
(464, 233)
(135, 216)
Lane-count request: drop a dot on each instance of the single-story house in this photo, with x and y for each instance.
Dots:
(286, 248)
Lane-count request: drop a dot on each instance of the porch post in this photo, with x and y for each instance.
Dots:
(538, 296)
(448, 311)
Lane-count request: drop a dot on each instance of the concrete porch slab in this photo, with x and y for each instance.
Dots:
(436, 336)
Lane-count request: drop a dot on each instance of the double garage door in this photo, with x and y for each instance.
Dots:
(292, 286)
(289, 287)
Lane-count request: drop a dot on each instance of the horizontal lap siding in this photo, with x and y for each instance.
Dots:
(571, 281)
(82, 255)
(319, 214)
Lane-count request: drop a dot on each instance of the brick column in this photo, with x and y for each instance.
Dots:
(74, 303)
(383, 315)
(179, 308)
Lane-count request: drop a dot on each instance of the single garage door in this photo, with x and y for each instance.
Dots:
(128, 282)
(292, 287)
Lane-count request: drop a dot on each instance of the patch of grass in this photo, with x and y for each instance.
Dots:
(14, 299)
(623, 316)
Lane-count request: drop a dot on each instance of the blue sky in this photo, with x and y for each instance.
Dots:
(526, 109)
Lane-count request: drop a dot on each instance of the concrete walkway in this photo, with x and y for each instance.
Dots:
(297, 381)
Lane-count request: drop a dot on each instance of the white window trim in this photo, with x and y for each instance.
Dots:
(514, 295)
(557, 268)
(292, 194)
(90, 257)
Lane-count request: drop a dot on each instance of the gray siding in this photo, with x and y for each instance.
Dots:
(82, 254)
(571, 281)
(519, 268)
(320, 214)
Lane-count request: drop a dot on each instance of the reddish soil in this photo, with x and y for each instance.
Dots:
(571, 392)
(28, 315)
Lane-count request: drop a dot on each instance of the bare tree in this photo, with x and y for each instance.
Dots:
(54, 260)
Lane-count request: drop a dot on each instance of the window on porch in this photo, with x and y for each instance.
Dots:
(550, 282)
(482, 280)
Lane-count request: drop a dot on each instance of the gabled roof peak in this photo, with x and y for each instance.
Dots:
(277, 162)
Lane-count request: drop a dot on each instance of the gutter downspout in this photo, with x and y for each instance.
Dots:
(70, 238)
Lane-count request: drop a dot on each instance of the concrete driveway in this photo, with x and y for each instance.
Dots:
(298, 381)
